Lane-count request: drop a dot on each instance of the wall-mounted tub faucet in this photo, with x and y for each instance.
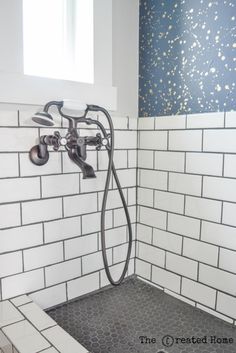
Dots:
(76, 146)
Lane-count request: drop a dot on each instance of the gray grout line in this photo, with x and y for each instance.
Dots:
(136, 204)
(223, 166)
(189, 278)
(183, 235)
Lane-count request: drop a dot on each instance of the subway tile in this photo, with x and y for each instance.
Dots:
(205, 120)
(42, 210)
(93, 184)
(229, 210)
(185, 140)
(48, 350)
(153, 179)
(221, 140)
(218, 234)
(152, 217)
(81, 246)
(21, 300)
(71, 167)
(144, 233)
(167, 241)
(168, 201)
(119, 122)
(170, 161)
(62, 272)
(22, 283)
(8, 118)
(83, 285)
(115, 271)
(21, 237)
(130, 268)
(50, 297)
(219, 188)
(204, 163)
(228, 260)
(226, 304)
(185, 183)
(10, 215)
(166, 279)
(92, 223)
(198, 292)
(187, 226)
(170, 122)
(216, 278)
(18, 139)
(132, 158)
(80, 204)
(62, 229)
(132, 196)
(181, 265)
(113, 199)
(133, 123)
(142, 269)
(120, 217)
(57, 185)
(120, 159)
(179, 297)
(200, 251)
(230, 119)
(9, 165)
(146, 123)
(230, 166)
(145, 159)
(94, 262)
(63, 341)
(126, 139)
(151, 254)
(25, 337)
(37, 316)
(19, 189)
(120, 252)
(114, 237)
(11, 264)
(153, 140)
(53, 166)
(9, 314)
(5, 345)
(214, 313)
(127, 178)
(43, 256)
(145, 197)
(203, 208)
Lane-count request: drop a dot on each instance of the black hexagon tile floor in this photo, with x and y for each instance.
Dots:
(119, 319)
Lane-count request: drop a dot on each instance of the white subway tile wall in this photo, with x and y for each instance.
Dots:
(186, 231)
(50, 215)
(185, 205)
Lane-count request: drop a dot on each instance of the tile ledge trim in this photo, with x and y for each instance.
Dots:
(14, 343)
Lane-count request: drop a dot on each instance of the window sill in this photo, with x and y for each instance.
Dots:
(22, 89)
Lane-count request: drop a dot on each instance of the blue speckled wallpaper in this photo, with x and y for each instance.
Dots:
(187, 56)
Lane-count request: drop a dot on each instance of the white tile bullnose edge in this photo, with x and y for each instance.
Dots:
(25, 327)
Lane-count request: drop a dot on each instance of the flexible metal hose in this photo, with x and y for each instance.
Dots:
(112, 169)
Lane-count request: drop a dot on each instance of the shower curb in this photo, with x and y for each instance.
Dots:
(26, 328)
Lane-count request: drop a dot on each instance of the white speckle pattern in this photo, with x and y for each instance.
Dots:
(187, 56)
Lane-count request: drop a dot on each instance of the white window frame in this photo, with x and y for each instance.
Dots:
(15, 87)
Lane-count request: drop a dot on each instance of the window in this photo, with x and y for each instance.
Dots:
(58, 38)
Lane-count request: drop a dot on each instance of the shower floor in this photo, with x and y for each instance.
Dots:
(112, 321)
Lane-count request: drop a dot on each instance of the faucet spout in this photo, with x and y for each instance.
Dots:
(86, 169)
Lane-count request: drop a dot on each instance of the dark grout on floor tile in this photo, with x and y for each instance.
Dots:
(113, 321)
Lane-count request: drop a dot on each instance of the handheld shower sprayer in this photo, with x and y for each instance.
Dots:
(76, 146)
